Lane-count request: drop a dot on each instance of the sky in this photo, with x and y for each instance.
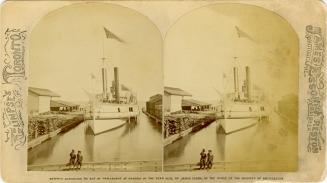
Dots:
(200, 48)
(67, 44)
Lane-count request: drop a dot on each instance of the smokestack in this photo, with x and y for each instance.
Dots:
(104, 83)
(248, 83)
(116, 84)
(236, 90)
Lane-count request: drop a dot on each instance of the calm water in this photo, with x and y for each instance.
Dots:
(139, 140)
(270, 140)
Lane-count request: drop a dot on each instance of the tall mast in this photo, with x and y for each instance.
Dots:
(104, 75)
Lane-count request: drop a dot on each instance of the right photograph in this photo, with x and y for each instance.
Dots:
(231, 91)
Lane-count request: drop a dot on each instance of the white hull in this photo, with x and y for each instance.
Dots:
(103, 125)
(241, 114)
(231, 126)
(115, 115)
(111, 116)
(237, 116)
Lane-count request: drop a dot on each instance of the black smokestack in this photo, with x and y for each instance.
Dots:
(236, 89)
(116, 84)
(248, 83)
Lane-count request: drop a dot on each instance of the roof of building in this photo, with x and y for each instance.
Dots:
(61, 103)
(192, 102)
(42, 92)
(176, 91)
(155, 98)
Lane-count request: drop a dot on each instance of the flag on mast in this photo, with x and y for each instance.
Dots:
(111, 35)
(92, 76)
(125, 88)
(241, 34)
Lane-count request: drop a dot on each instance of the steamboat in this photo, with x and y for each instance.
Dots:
(112, 109)
(241, 106)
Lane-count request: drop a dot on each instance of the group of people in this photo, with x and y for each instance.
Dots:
(75, 160)
(206, 159)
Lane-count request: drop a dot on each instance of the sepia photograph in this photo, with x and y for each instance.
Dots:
(163, 91)
(231, 91)
(94, 95)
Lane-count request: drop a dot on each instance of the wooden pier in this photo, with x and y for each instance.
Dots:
(199, 120)
(52, 122)
(156, 119)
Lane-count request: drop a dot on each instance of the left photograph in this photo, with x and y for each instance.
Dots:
(95, 91)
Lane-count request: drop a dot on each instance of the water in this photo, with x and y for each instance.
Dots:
(139, 140)
(269, 140)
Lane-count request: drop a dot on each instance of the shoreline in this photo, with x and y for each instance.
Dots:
(202, 123)
(40, 139)
(157, 120)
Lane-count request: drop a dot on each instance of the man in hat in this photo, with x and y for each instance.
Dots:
(209, 159)
(72, 158)
(79, 160)
(203, 159)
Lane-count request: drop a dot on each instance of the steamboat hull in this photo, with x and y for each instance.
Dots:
(110, 117)
(237, 124)
(240, 116)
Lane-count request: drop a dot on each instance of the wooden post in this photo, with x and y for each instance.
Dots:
(35, 128)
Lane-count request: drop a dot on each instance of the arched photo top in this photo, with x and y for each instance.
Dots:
(66, 46)
(209, 41)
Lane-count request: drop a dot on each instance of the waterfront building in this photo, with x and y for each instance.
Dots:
(173, 99)
(194, 105)
(39, 100)
(60, 105)
(154, 106)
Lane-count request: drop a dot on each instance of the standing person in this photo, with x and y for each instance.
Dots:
(72, 158)
(79, 160)
(203, 159)
(209, 159)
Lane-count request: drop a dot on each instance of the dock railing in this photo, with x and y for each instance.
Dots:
(239, 166)
(116, 166)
